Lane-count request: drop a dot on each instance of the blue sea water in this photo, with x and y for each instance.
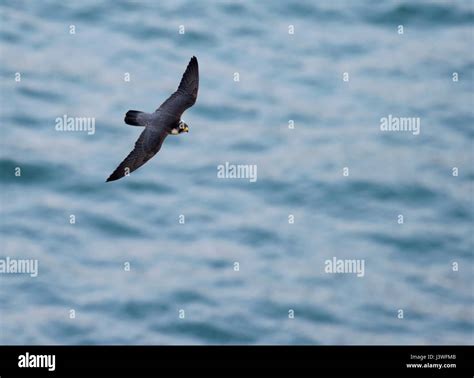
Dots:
(191, 266)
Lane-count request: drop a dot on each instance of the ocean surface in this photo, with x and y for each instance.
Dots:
(173, 254)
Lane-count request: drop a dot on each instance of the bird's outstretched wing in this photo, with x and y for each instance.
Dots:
(187, 92)
(147, 145)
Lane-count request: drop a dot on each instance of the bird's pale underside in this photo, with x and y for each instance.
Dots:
(158, 125)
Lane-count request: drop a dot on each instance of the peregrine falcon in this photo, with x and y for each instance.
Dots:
(165, 120)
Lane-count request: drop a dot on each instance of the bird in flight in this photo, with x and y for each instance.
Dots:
(165, 120)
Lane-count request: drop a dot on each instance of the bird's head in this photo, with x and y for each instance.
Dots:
(183, 127)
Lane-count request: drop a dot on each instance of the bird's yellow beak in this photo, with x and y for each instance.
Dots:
(186, 128)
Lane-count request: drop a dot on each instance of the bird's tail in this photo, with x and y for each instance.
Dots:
(136, 118)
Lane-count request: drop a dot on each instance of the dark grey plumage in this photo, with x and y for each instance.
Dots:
(165, 120)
